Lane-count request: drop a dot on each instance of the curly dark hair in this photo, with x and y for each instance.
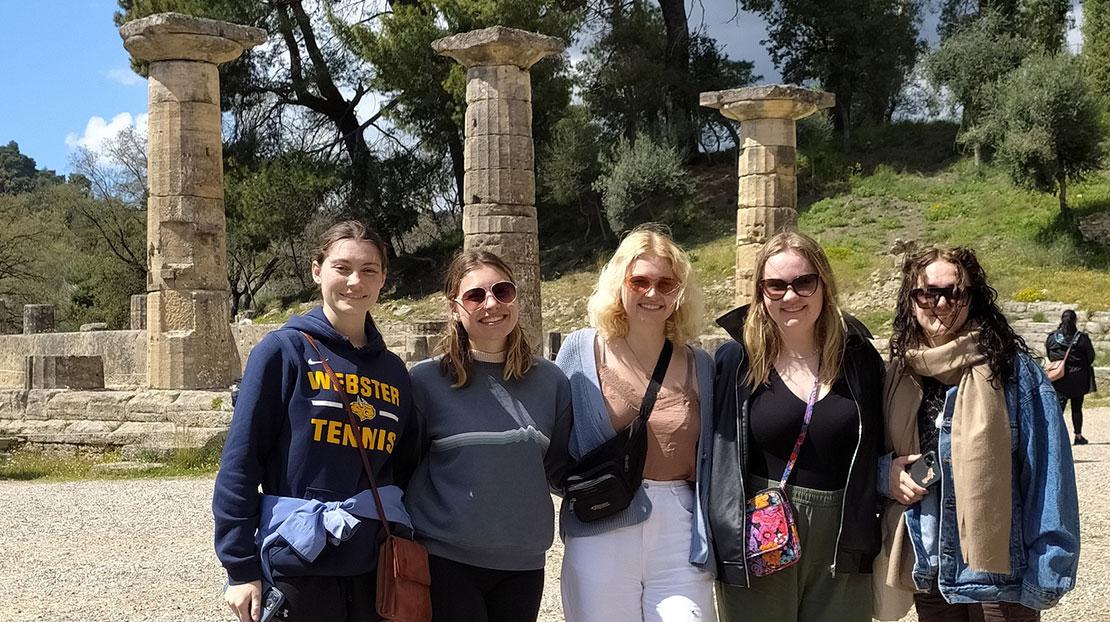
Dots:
(997, 340)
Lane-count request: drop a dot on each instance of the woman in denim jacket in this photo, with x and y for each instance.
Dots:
(962, 384)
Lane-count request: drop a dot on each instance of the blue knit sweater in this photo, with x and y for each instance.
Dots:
(592, 427)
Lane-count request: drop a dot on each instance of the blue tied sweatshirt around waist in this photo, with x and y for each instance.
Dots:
(291, 437)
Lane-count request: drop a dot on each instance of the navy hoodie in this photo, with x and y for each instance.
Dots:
(291, 436)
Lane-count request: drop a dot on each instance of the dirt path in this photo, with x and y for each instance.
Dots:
(142, 550)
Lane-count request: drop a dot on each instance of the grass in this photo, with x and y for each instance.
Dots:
(57, 466)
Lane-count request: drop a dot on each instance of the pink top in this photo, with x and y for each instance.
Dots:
(673, 425)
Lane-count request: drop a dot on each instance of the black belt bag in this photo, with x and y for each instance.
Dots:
(604, 481)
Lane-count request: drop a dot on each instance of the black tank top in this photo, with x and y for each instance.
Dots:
(775, 420)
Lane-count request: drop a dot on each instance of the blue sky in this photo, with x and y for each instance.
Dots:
(63, 64)
(66, 79)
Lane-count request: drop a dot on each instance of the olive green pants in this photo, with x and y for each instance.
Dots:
(806, 591)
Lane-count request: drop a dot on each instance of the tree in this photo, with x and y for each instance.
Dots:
(303, 92)
(19, 173)
(1096, 44)
(1045, 125)
(429, 91)
(836, 43)
(628, 67)
(643, 180)
(115, 178)
(969, 62)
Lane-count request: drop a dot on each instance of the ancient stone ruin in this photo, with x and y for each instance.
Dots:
(499, 188)
(768, 200)
(164, 383)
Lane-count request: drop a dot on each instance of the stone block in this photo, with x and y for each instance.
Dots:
(757, 224)
(1094, 328)
(499, 151)
(64, 372)
(92, 327)
(186, 255)
(38, 319)
(498, 45)
(552, 342)
(768, 133)
(759, 160)
(185, 152)
(481, 223)
(138, 312)
(499, 116)
(768, 191)
(173, 36)
(517, 249)
(499, 185)
(190, 340)
(177, 82)
(498, 82)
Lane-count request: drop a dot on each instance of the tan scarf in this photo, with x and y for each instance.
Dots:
(980, 453)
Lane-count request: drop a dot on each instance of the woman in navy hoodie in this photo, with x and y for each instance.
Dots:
(312, 531)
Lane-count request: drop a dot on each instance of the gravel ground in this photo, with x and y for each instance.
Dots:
(142, 550)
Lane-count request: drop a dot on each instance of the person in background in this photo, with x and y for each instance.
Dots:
(963, 387)
(1079, 371)
(495, 422)
(651, 561)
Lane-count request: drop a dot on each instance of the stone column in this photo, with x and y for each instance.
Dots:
(38, 319)
(499, 189)
(189, 342)
(768, 195)
(138, 312)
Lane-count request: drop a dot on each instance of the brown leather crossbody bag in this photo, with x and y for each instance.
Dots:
(404, 579)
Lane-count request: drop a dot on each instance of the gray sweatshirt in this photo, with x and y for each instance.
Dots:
(480, 494)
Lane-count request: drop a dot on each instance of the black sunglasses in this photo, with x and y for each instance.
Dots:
(929, 297)
(803, 285)
(472, 299)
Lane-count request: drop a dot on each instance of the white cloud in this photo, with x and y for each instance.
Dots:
(97, 130)
(123, 76)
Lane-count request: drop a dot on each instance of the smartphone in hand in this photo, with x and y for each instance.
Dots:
(925, 471)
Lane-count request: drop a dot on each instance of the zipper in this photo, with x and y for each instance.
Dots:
(844, 499)
(740, 473)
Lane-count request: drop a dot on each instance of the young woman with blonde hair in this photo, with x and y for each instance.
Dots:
(650, 561)
(795, 363)
(495, 421)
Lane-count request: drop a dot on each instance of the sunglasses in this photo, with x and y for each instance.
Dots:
(929, 297)
(502, 291)
(644, 284)
(803, 285)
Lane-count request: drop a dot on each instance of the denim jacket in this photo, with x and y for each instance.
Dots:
(1044, 527)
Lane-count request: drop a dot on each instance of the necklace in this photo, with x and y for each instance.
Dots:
(803, 357)
(643, 368)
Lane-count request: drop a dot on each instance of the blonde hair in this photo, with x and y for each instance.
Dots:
(604, 308)
(762, 338)
(455, 344)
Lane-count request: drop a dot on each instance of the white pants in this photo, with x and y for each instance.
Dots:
(641, 572)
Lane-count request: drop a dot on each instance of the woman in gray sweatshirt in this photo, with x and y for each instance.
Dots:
(495, 425)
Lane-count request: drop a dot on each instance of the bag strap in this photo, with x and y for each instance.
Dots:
(802, 434)
(656, 383)
(354, 428)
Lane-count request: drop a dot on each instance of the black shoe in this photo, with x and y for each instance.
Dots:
(1079, 440)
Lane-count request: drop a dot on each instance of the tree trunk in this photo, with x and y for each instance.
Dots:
(683, 103)
(1061, 179)
(458, 164)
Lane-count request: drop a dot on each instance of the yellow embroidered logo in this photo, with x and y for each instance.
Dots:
(363, 409)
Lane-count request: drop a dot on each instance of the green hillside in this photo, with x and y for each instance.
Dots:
(906, 185)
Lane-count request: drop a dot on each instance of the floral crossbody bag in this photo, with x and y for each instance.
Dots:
(773, 542)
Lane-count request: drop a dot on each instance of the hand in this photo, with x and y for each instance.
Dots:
(902, 487)
(245, 600)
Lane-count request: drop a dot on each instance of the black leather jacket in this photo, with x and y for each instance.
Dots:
(859, 538)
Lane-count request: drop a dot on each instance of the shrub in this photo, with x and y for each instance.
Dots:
(643, 180)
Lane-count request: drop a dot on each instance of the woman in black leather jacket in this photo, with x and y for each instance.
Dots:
(789, 339)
